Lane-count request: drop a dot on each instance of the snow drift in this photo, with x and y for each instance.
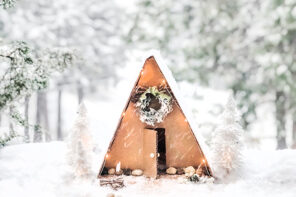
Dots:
(39, 169)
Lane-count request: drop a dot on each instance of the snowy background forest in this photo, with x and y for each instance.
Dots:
(212, 48)
(55, 54)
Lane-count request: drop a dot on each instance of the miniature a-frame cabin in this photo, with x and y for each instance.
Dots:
(153, 133)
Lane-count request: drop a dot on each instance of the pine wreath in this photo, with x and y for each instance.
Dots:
(154, 106)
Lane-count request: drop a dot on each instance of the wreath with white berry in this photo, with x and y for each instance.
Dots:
(153, 106)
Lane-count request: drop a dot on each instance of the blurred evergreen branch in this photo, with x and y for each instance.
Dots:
(7, 3)
(6, 138)
(28, 70)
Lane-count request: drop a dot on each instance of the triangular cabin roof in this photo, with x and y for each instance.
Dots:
(155, 56)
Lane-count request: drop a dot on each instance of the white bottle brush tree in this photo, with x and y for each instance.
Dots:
(80, 147)
(227, 142)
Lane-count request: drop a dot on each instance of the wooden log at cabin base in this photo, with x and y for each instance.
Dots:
(113, 183)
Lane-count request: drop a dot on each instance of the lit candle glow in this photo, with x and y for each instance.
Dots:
(118, 167)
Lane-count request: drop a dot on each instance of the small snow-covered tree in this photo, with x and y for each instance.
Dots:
(227, 142)
(80, 147)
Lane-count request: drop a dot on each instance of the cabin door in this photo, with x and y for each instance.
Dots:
(150, 153)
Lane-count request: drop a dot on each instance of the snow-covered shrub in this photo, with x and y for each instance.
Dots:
(227, 142)
(80, 147)
(201, 179)
(194, 178)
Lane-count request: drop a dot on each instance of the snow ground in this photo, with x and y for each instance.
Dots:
(39, 170)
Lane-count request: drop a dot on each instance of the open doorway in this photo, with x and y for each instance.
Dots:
(161, 151)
